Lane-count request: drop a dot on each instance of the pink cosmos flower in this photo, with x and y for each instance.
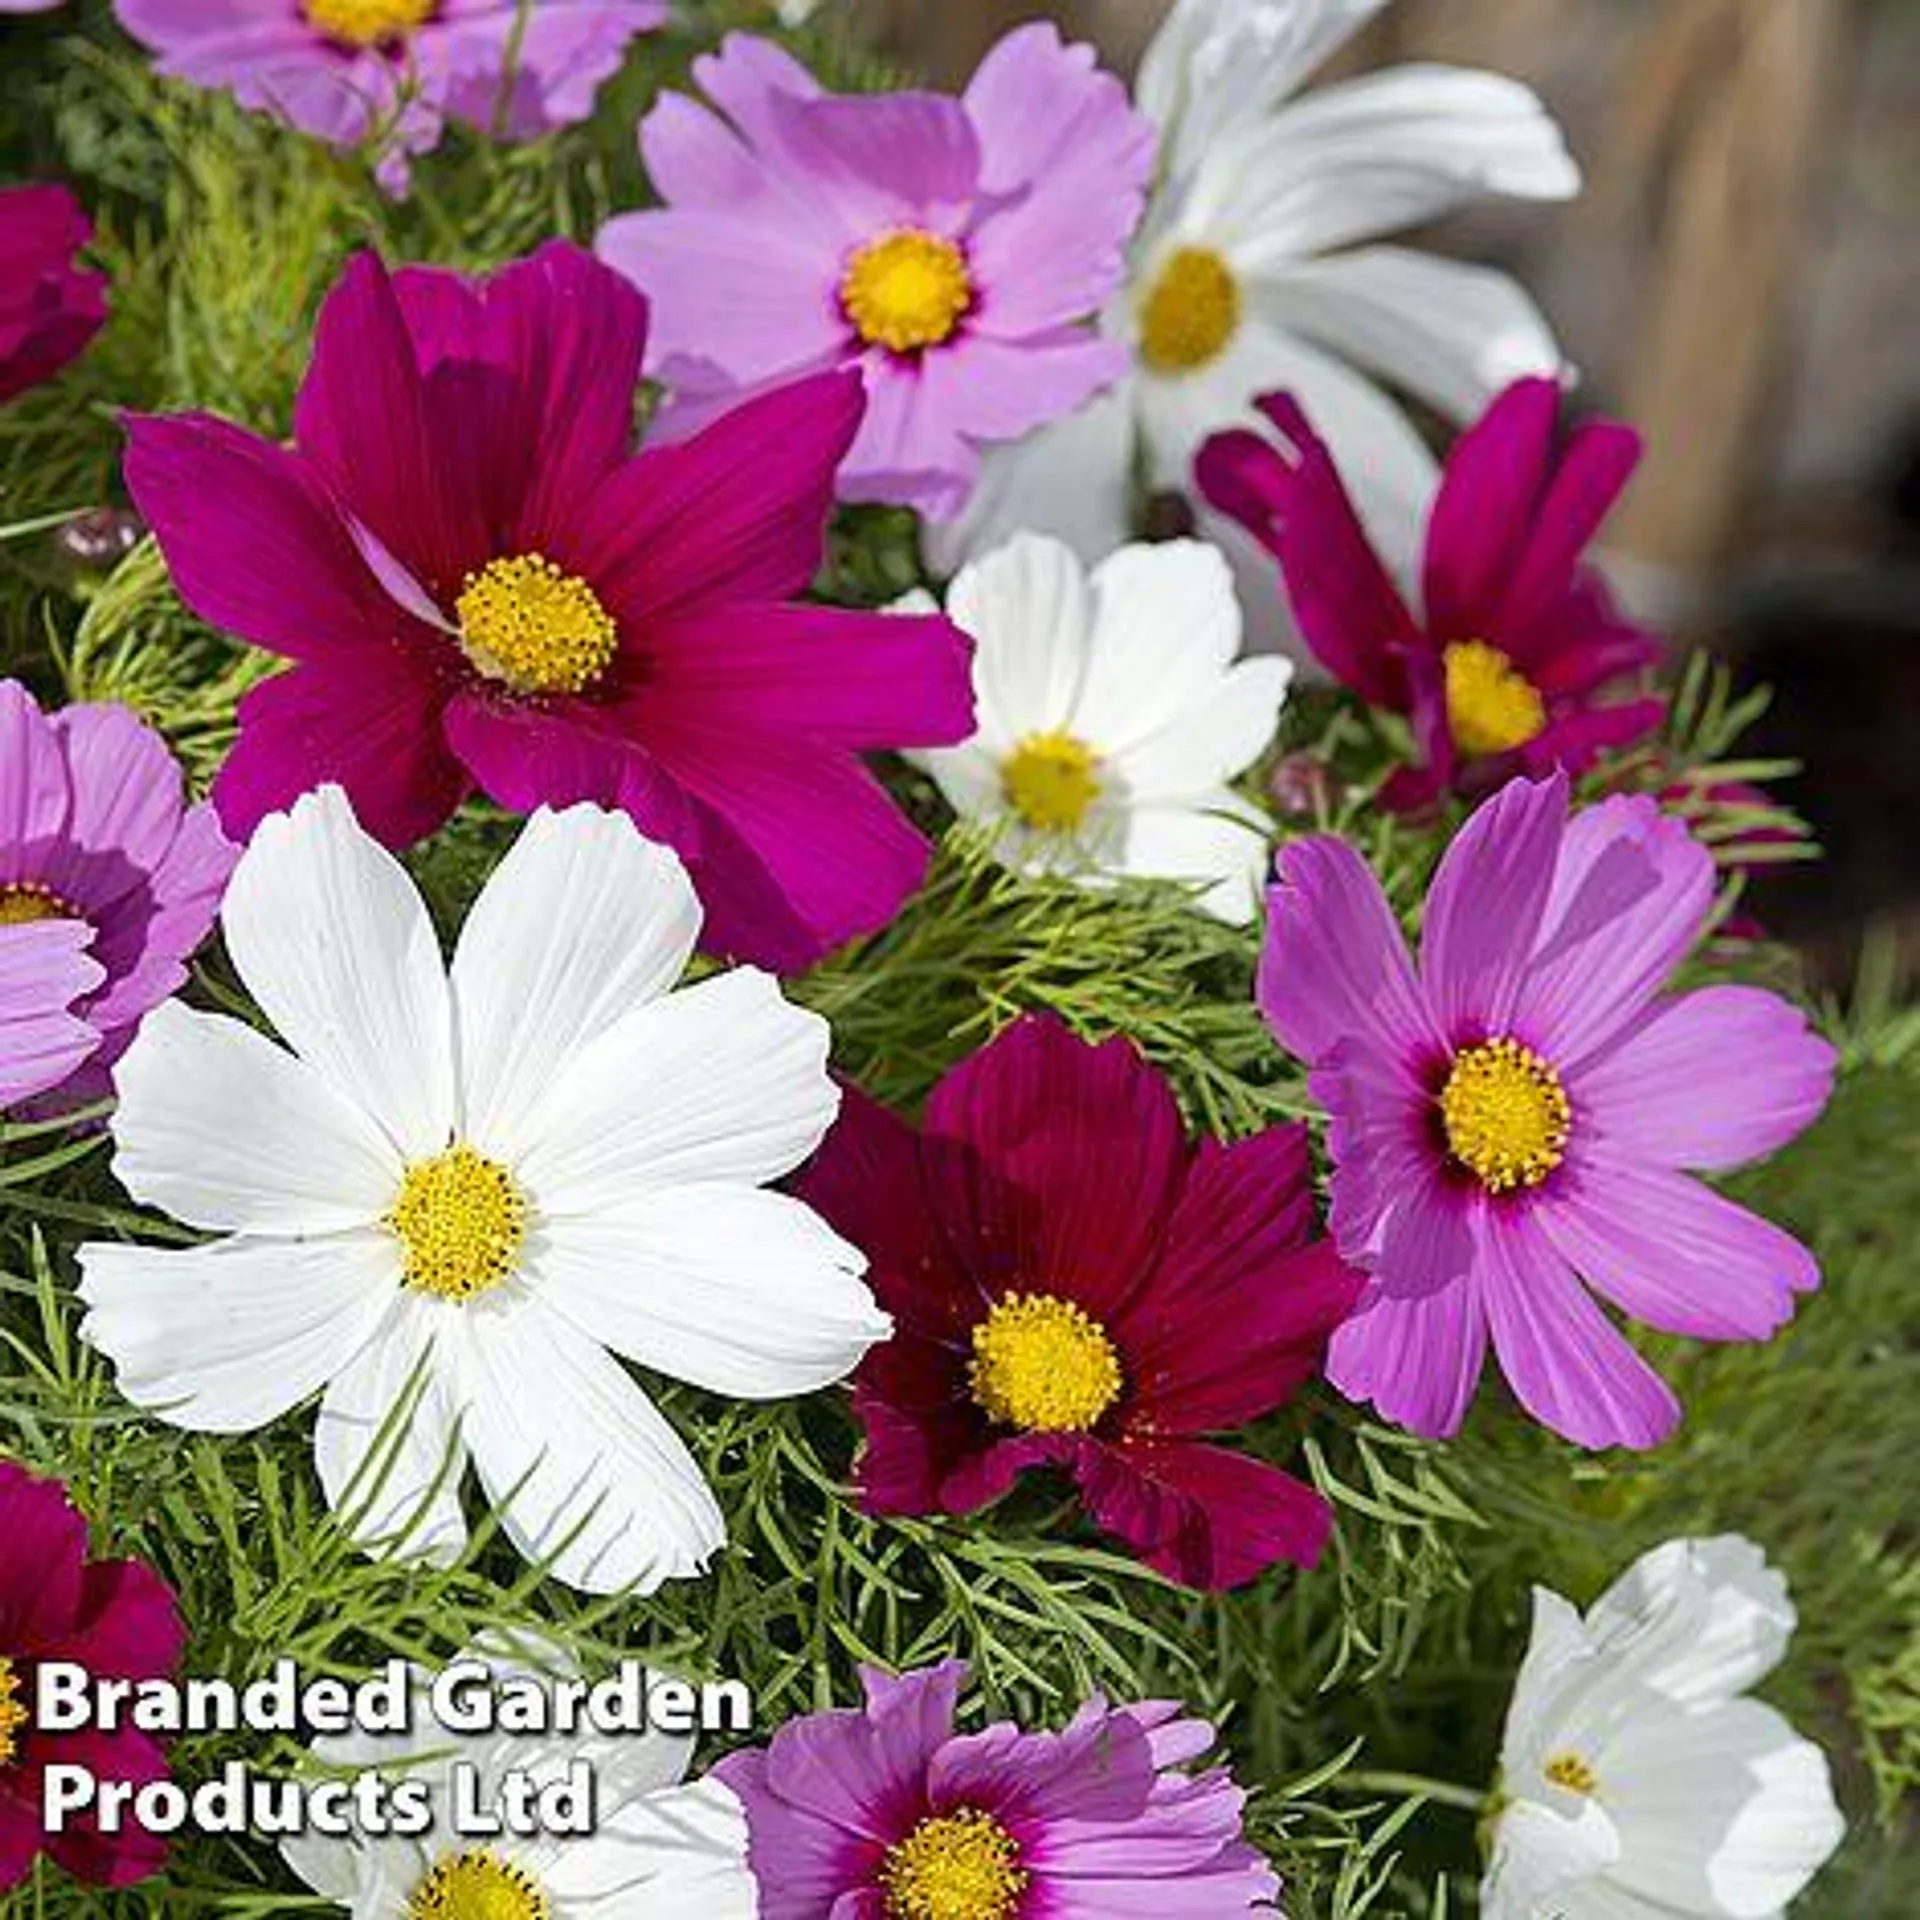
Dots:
(483, 585)
(1508, 667)
(955, 250)
(50, 309)
(1514, 1121)
(346, 70)
(117, 1619)
(103, 867)
(884, 1810)
(1074, 1285)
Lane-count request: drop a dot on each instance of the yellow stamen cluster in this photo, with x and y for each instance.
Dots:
(1050, 780)
(906, 291)
(369, 23)
(1570, 1771)
(13, 1713)
(1507, 1116)
(541, 630)
(478, 1886)
(26, 902)
(461, 1219)
(960, 1866)
(1043, 1365)
(1191, 312)
(1492, 707)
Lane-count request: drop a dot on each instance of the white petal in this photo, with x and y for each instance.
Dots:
(968, 777)
(583, 920)
(591, 1481)
(738, 1291)
(1216, 841)
(224, 1338)
(1540, 1855)
(1450, 334)
(1028, 610)
(1072, 480)
(681, 1851)
(1218, 736)
(334, 943)
(221, 1128)
(723, 1081)
(404, 1494)
(1166, 625)
(1782, 1837)
(1560, 1661)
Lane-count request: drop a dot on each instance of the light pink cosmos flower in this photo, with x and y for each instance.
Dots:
(955, 250)
(1517, 1119)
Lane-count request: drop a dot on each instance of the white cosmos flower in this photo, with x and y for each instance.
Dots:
(660, 1847)
(1254, 271)
(1637, 1781)
(487, 1183)
(1112, 716)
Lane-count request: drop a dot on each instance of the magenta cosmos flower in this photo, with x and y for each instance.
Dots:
(350, 70)
(117, 1619)
(104, 862)
(50, 309)
(482, 585)
(1513, 1121)
(886, 1813)
(1074, 1285)
(955, 250)
(1509, 667)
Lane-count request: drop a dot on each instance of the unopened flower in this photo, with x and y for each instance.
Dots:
(477, 1189)
(1520, 1119)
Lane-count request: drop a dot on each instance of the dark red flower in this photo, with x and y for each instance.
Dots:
(50, 309)
(117, 1619)
(1075, 1285)
(1510, 665)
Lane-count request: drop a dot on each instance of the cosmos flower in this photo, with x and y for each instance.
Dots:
(1075, 1285)
(483, 586)
(1257, 268)
(115, 1618)
(1637, 1781)
(96, 837)
(954, 250)
(886, 1813)
(1113, 717)
(463, 1195)
(1519, 1119)
(1508, 667)
(350, 71)
(50, 309)
(660, 1844)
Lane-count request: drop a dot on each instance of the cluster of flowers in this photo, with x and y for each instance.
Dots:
(469, 1191)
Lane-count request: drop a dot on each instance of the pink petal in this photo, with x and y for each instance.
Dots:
(1416, 1357)
(44, 970)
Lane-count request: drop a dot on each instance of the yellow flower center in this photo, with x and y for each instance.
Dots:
(1042, 1364)
(25, 903)
(1570, 1771)
(540, 630)
(1492, 707)
(1506, 1114)
(461, 1219)
(962, 1866)
(369, 23)
(906, 291)
(1050, 780)
(1191, 312)
(13, 1713)
(478, 1886)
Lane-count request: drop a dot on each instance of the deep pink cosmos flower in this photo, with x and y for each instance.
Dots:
(1508, 667)
(1074, 1285)
(347, 70)
(117, 1619)
(98, 842)
(1514, 1121)
(50, 309)
(955, 250)
(483, 585)
(886, 1813)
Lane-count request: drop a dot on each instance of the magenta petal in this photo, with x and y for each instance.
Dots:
(1099, 1769)
(44, 1531)
(1416, 1357)
(1568, 1364)
(1676, 1255)
(1595, 465)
